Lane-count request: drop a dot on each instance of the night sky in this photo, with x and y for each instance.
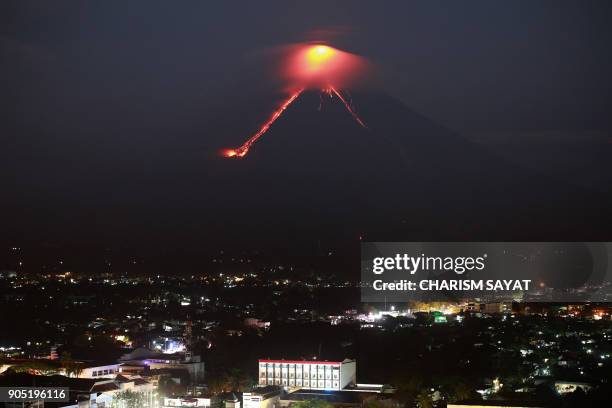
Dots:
(112, 115)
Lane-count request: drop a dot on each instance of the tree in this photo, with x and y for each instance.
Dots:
(373, 402)
(70, 366)
(35, 367)
(233, 379)
(315, 403)
(238, 380)
(408, 388)
(460, 391)
(128, 399)
(423, 400)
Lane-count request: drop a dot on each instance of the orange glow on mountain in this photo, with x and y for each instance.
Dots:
(318, 65)
(244, 149)
(318, 55)
(311, 66)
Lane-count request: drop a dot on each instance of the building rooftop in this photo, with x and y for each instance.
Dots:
(28, 380)
(493, 403)
(104, 387)
(365, 387)
(229, 396)
(345, 397)
(90, 364)
(346, 360)
(267, 390)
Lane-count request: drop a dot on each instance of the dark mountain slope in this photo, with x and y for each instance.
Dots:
(402, 178)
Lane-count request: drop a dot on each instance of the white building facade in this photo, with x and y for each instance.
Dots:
(100, 371)
(186, 402)
(315, 375)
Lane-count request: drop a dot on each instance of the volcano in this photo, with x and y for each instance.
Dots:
(328, 92)
(404, 177)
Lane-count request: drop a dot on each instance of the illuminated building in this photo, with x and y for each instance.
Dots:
(317, 375)
(264, 397)
(186, 402)
(141, 359)
(100, 370)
